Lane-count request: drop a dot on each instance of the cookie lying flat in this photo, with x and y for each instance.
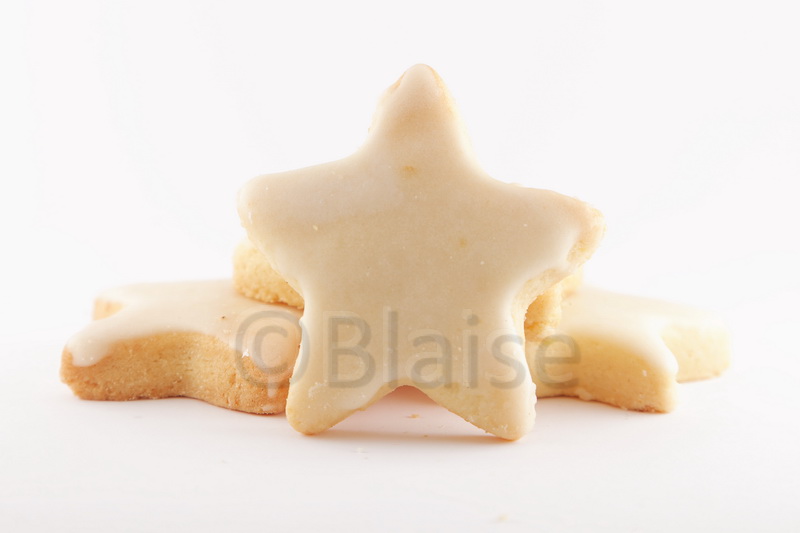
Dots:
(196, 339)
(617, 349)
(415, 267)
(627, 351)
(255, 278)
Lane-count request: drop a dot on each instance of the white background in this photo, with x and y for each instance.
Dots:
(126, 129)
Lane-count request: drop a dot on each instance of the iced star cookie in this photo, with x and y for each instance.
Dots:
(196, 339)
(415, 267)
(627, 351)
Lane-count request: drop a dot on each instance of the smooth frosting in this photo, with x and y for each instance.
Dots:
(257, 330)
(433, 261)
(620, 319)
(627, 350)
(635, 322)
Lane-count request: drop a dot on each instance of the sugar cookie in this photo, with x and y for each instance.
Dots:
(195, 339)
(617, 349)
(627, 351)
(415, 267)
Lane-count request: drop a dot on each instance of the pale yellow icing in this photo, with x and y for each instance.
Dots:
(634, 321)
(267, 333)
(415, 266)
(627, 350)
(629, 320)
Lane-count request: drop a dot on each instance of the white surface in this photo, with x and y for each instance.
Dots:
(128, 127)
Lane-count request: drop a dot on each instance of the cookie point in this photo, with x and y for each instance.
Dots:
(419, 78)
(418, 105)
(421, 70)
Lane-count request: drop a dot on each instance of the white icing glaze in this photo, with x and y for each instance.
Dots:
(626, 350)
(207, 307)
(632, 322)
(411, 237)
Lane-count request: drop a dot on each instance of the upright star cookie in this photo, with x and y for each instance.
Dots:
(415, 267)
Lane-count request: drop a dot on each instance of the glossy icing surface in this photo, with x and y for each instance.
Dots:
(626, 350)
(415, 266)
(630, 321)
(207, 307)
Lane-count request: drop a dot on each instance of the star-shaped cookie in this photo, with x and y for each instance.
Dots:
(198, 339)
(415, 267)
(627, 351)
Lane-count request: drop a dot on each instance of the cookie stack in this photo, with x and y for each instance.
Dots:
(409, 267)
